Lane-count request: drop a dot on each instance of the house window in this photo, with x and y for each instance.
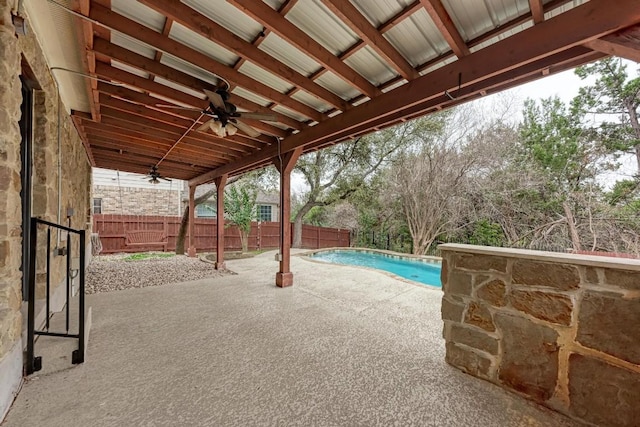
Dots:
(264, 213)
(205, 211)
(97, 206)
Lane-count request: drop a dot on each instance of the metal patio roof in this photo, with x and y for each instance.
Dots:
(329, 70)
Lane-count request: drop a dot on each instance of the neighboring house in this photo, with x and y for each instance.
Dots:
(124, 193)
(267, 204)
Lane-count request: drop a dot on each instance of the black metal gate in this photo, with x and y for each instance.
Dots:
(33, 362)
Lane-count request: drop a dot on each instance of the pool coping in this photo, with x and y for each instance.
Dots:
(423, 258)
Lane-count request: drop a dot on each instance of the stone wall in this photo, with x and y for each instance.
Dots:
(561, 329)
(53, 192)
(138, 201)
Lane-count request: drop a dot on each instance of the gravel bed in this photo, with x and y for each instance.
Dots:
(112, 272)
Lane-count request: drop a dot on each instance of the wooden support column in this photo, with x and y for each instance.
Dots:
(284, 277)
(220, 183)
(192, 215)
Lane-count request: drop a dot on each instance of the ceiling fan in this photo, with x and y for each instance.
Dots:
(225, 119)
(155, 176)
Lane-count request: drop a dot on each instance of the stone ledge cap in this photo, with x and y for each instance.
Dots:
(554, 257)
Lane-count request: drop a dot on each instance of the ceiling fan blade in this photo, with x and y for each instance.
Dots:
(166, 179)
(215, 99)
(246, 129)
(177, 107)
(259, 116)
(205, 126)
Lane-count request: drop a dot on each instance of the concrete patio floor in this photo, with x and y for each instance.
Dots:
(343, 346)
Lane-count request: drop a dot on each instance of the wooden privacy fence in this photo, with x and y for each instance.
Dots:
(114, 229)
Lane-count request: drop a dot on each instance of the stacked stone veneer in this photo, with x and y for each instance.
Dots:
(53, 192)
(563, 330)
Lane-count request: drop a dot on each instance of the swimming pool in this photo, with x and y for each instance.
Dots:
(424, 271)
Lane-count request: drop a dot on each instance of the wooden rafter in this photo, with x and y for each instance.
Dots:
(204, 26)
(106, 51)
(275, 22)
(572, 28)
(368, 33)
(138, 31)
(625, 44)
(537, 10)
(445, 25)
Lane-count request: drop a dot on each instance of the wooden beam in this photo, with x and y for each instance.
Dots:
(192, 220)
(624, 44)
(537, 11)
(275, 22)
(211, 30)
(284, 277)
(348, 13)
(614, 49)
(85, 33)
(588, 21)
(445, 25)
(220, 182)
(150, 105)
(109, 50)
(156, 40)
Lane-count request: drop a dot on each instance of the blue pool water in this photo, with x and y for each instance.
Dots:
(408, 268)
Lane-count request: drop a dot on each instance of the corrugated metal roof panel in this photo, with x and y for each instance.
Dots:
(311, 100)
(417, 38)
(140, 13)
(321, 25)
(380, 11)
(133, 45)
(564, 8)
(283, 51)
(128, 69)
(179, 87)
(337, 85)
(265, 77)
(283, 110)
(251, 96)
(228, 16)
(202, 44)
(192, 70)
(369, 64)
(502, 36)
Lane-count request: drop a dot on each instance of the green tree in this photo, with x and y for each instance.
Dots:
(334, 174)
(614, 98)
(240, 210)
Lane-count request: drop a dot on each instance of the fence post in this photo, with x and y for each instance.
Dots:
(388, 241)
(318, 238)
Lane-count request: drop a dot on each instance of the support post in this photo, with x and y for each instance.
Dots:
(285, 165)
(192, 215)
(220, 183)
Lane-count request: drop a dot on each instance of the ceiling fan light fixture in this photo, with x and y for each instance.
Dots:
(217, 128)
(231, 129)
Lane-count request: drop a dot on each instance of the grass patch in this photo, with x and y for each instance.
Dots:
(148, 255)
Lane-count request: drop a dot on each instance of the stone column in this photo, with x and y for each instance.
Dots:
(192, 215)
(284, 277)
(220, 183)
